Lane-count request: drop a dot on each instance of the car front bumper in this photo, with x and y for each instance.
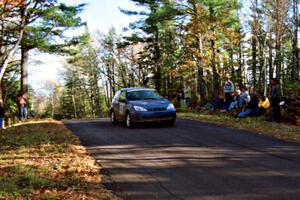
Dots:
(153, 116)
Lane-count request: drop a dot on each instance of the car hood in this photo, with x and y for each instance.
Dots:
(151, 103)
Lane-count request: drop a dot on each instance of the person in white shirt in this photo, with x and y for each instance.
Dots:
(244, 97)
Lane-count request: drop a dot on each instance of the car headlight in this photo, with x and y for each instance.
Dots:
(139, 108)
(170, 107)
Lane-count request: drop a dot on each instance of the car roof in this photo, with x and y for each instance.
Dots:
(136, 89)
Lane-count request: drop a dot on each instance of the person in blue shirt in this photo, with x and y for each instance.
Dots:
(229, 92)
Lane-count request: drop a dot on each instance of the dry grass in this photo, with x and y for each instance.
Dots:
(43, 160)
(253, 124)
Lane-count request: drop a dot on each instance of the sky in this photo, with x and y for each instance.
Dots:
(103, 14)
(100, 15)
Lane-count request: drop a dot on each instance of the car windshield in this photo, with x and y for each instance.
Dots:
(143, 95)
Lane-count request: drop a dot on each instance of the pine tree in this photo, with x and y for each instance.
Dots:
(45, 25)
(155, 28)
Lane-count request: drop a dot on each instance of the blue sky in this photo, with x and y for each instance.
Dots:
(103, 14)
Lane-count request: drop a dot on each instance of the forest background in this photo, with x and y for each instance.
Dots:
(189, 43)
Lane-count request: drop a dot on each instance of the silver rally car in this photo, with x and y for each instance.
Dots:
(137, 105)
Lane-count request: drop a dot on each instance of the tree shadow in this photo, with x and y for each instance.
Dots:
(192, 161)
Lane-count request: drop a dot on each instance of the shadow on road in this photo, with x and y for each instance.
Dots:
(192, 160)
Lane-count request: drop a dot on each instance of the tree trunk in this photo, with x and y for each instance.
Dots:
(261, 67)
(74, 105)
(240, 61)
(254, 59)
(295, 49)
(201, 82)
(113, 86)
(52, 106)
(271, 70)
(231, 63)
(108, 101)
(24, 69)
(157, 68)
(215, 77)
(278, 58)
(10, 54)
(12, 51)
(1, 90)
(97, 94)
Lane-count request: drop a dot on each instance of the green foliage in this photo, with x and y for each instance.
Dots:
(47, 23)
(292, 88)
(192, 43)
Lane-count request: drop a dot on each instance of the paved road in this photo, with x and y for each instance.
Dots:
(192, 160)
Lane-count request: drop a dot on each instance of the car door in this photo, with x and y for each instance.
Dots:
(115, 104)
(122, 105)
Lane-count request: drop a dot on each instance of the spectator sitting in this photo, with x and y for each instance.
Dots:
(251, 107)
(263, 105)
(217, 103)
(244, 97)
(235, 103)
(207, 106)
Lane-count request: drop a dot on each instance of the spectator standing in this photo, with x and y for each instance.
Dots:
(229, 92)
(22, 106)
(2, 113)
(188, 96)
(180, 97)
(275, 100)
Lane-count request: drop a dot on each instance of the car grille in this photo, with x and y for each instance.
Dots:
(156, 109)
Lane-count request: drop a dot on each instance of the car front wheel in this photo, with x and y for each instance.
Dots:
(128, 121)
(113, 118)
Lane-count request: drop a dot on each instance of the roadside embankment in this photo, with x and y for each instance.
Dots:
(44, 160)
(253, 124)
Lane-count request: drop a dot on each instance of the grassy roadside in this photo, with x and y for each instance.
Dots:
(43, 160)
(257, 125)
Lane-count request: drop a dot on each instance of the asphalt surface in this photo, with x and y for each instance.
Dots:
(192, 160)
